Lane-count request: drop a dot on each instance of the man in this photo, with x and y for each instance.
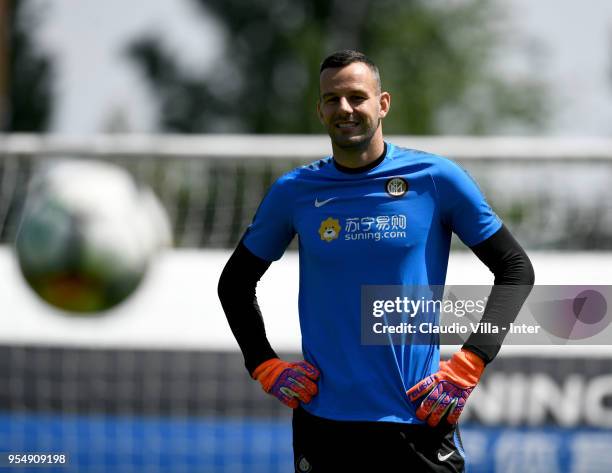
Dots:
(388, 408)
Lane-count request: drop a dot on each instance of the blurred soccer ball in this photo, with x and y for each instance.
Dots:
(88, 234)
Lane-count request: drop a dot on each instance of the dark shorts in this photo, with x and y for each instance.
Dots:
(323, 445)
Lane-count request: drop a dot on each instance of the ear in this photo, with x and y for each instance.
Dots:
(385, 104)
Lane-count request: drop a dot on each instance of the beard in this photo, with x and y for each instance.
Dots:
(353, 142)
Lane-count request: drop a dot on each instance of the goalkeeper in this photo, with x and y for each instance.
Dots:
(371, 214)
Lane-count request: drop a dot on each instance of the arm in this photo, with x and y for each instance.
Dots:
(514, 278)
(465, 211)
(445, 393)
(289, 382)
(238, 297)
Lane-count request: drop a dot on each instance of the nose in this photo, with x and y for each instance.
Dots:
(345, 105)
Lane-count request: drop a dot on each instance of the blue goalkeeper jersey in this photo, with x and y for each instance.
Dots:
(388, 225)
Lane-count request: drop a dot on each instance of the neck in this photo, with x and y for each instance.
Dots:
(359, 157)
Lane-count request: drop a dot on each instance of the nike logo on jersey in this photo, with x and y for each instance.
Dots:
(443, 458)
(322, 202)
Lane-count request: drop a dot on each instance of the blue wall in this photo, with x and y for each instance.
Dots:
(129, 444)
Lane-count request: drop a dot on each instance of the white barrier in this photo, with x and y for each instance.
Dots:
(177, 305)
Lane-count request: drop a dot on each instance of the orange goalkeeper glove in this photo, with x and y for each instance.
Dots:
(446, 392)
(290, 383)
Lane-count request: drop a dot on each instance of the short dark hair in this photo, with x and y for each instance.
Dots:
(349, 56)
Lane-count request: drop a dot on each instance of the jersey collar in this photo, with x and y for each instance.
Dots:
(362, 169)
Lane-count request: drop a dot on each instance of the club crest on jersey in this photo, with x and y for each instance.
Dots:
(329, 229)
(396, 187)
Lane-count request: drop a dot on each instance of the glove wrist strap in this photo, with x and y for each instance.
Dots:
(464, 367)
(267, 372)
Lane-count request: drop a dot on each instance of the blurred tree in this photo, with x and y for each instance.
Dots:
(435, 58)
(26, 83)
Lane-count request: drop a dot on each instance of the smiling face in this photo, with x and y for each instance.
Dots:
(351, 105)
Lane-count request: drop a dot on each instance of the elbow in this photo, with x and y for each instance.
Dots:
(239, 277)
(524, 269)
(529, 272)
(224, 287)
(521, 272)
(516, 271)
(234, 287)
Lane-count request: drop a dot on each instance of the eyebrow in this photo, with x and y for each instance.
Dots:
(356, 91)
